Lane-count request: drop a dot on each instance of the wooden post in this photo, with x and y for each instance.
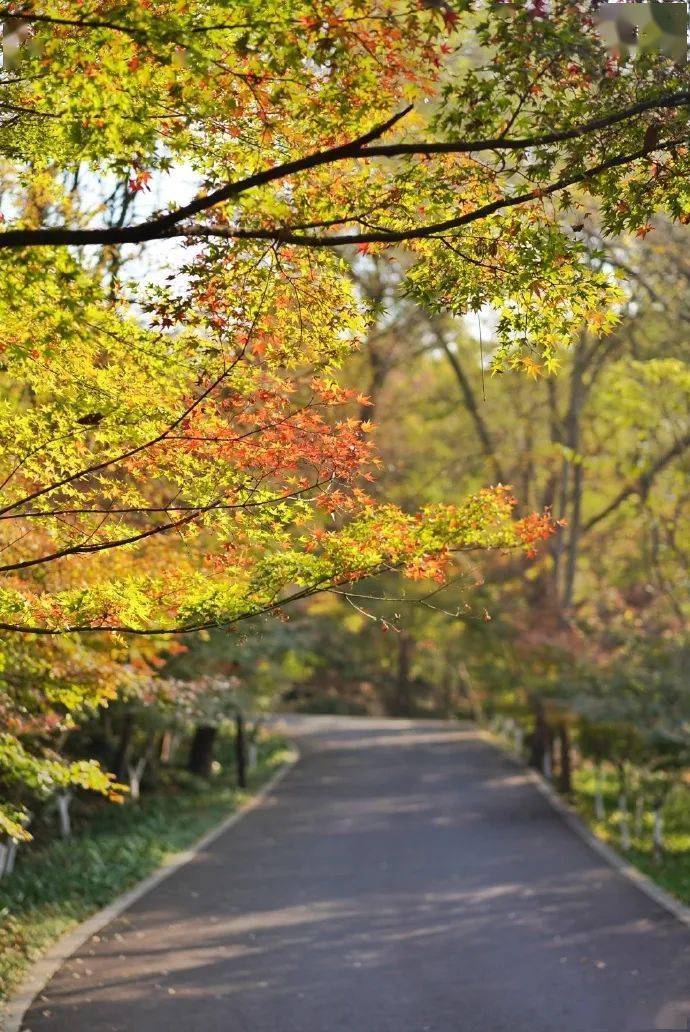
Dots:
(658, 833)
(135, 772)
(547, 764)
(63, 801)
(539, 737)
(639, 815)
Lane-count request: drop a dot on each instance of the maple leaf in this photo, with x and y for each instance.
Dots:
(532, 368)
(139, 181)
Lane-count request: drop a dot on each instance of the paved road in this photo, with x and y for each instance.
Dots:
(403, 878)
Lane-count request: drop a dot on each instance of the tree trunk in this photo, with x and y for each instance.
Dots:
(240, 750)
(10, 858)
(573, 440)
(565, 781)
(480, 426)
(124, 746)
(402, 702)
(574, 539)
(201, 751)
(539, 739)
(167, 746)
(470, 693)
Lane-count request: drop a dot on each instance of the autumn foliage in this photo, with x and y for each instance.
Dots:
(185, 189)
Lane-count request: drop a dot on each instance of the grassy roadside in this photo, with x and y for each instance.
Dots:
(59, 884)
(673, 873)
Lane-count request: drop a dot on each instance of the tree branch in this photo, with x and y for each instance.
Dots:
(167, 225)
(480, 426)
(103, 546)
(105, 463)
(641, 484)
(396, 150)
(164, 226)
(323, 584)
(285, 235)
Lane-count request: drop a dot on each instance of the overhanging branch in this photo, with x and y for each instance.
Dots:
(323, 584)
(169, 224)
(284, 235)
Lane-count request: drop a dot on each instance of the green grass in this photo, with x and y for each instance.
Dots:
(673, 872)
(57, 884)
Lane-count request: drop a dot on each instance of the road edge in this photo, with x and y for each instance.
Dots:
(572, 818)
(43, 969)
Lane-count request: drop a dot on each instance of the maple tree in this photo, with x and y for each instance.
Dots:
(178, 453)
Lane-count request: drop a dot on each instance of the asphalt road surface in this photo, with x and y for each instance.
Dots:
(404, 877)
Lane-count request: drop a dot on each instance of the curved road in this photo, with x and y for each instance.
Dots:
(404, 877)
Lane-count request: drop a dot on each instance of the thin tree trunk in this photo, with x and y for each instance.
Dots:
(135, 772)
(472, 407)
(470, 692)
(124, 746)
(63, 803)
(539, 739)
(10, 858)
(574, 538)
(167, 746)
(240, 750)
(565, 781)
(573, 440)
(402, 702)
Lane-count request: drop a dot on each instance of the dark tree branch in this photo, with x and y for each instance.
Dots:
(103, 546)
(286, 236)
(640, 486)
(105, 463)
(471, 405)
(680, 99)
(165, 226)
(169, 224)
(323, 584)
(141, 35)
(144, 509)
